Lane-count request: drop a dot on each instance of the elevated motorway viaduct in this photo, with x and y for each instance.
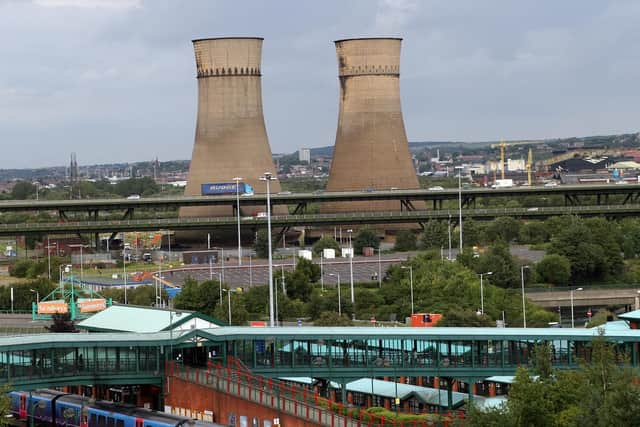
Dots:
(573, 196)
(110, 226)
(586, 297)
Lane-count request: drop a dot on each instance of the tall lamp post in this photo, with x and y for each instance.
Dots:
(237, 180)
(571, 293)
(460, 202)
(339, 302)
(81, 246)
(353, 298)
(49, 247)
(488, 273)
(124, 274)
(379, 268)
(410, 268)
(267, 177)
(229, 292)
(524, 307)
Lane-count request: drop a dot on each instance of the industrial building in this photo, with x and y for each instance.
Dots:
(231, 138)
(371, 150)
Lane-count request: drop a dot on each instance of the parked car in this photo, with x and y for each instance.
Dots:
(436, 188)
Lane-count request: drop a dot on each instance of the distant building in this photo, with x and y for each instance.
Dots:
(304, 155)
(515, 165)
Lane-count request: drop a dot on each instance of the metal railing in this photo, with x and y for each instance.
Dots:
(297, 401)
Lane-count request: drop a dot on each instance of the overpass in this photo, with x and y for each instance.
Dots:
(397, 217)
(554, 298)
(573, 196)
(336, 353)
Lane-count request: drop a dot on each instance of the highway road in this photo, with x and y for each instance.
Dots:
(630, 192)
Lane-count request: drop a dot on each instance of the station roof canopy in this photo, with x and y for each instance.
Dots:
(129, 318)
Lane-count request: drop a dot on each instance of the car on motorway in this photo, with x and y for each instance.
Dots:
(551, 184)
(532, 209)
(133, 197)
(318, 192)
(284, 192)
(436, 188)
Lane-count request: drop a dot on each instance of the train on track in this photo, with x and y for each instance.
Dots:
(56, 408)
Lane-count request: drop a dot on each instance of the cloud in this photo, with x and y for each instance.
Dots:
(393, 15)
(91, 4)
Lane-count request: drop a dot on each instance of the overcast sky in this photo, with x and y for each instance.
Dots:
(114, 80)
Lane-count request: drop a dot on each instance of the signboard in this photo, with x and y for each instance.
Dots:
(91, 305)
(53, 307)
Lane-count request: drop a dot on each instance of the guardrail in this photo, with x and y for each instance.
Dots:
(316, 219)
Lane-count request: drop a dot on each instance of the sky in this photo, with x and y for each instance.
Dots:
(114, 80)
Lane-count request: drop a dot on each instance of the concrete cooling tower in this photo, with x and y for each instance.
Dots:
(371, 150)
(231, 138)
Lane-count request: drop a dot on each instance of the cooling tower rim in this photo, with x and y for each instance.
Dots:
(367, 38)
(226, 38)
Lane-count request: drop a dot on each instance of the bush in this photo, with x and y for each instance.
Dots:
(405, 241)
(554, 269)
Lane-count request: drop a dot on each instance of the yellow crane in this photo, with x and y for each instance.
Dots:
(529, 165)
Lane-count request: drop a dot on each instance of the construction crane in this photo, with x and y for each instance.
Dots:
(529, 166)
(502, 146)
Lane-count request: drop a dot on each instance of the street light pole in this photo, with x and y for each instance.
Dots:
(460, 202)
(339, 302)
(524, 307)
(379, 269)
(237, 180)
(571, 293)
(268, 178)
(489, 273)
(353, 299)
(410, 284)
(124, 273)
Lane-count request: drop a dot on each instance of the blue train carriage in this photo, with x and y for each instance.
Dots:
(39, 404)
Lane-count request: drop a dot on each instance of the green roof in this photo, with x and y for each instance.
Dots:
(632, 315)
(128, 318)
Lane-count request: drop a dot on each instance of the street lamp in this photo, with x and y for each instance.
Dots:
(353, 299)
(81, 246)
(267, 177)
(524, 307)
(489, 273)
(339, 302)
(171, 314)
(237, 180)
(571, 293)
(124, 274)
(460, 202)
(404, 267)
(229, 292)
(379, 268)
(49, 247)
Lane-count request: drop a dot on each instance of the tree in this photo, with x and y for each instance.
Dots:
(261, 245)
(366, 237)
(23, 190)
(435, 235)
(501, 263)
(5, 403)
(331, 318)
(405, 241)
(534, 232)
(503, 228)
(554, 269)
(325, 242)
